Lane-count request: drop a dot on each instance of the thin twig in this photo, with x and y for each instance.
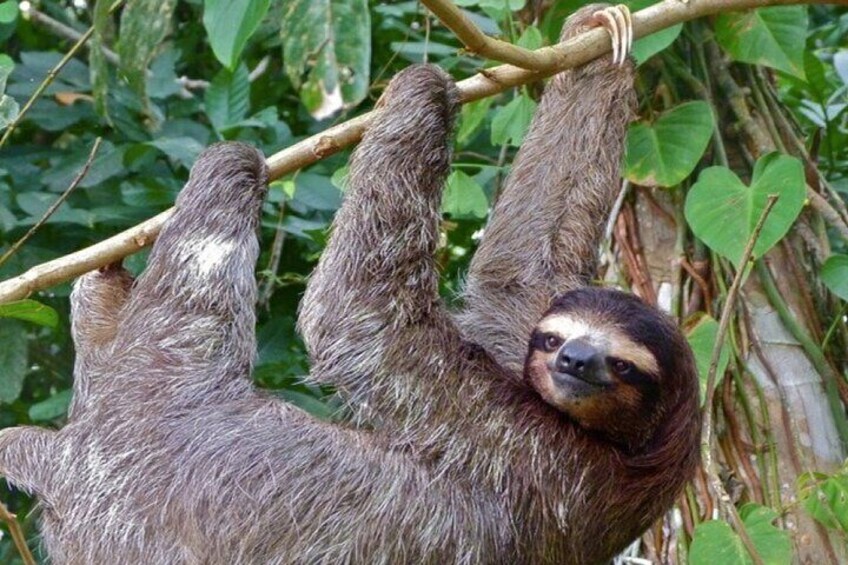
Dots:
(17, 534)
(569, 54)
(707, 432)
(55, 206)
(274, 260)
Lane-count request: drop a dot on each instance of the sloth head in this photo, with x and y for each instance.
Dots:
(614, 365)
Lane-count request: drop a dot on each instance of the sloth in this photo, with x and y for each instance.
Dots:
(547, 422)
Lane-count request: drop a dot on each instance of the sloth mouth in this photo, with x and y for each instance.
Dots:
(579, 384)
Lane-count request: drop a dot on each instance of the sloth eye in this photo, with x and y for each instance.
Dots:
(552, 342)
(621, 367)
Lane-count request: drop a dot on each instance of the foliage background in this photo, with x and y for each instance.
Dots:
(177, 76)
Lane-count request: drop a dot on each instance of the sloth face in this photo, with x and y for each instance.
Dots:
(610, 362)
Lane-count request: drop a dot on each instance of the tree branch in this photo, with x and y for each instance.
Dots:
(478, 43)
(569, 54)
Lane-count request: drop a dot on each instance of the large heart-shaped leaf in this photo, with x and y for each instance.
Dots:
(722, 211)
(665, 152)
(774, 37)
(773, 544)
(716, 542)
(834, 274)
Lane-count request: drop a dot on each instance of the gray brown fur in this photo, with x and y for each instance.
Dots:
(171, 456)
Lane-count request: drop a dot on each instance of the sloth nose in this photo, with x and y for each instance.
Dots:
(577, 358)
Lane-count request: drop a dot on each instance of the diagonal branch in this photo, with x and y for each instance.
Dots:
(566, 55)
(480, 44)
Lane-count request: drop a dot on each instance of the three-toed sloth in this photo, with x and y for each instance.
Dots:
(478, 448)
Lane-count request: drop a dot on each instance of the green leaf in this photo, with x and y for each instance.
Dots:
(840, 63)
(183, 150)
(646, 47)
(715, 542)
(774, 37)
(834, 275)
(144, 24)
(9, 110)
(8, 106)
(31, 311)
(228, 98)
(773, 544)
(13, 359)
(825, 498)
(54, 407)
(316, 192)
(531, 38)
(308, 403)
(464, 198)
(97, 66)
(329, 43)
(665, 152)
(8, 12)
(229, 24)
(723, 212)
(471, 118)
(7, 65)
(511, 121)
(702, 338)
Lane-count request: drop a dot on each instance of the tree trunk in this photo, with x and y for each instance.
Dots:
(778, 412)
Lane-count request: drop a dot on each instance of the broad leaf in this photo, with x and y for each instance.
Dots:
(715, 542)
(52, 408)
(702, 338)
(723, 212)
(464, 198)
(13, 359)
(665, 152)
(144, 24)
(531, 38)
(8, 12)
(834, 274)
(511, 121)
(316, 192)
(97, 65)
(840, 63)
(471, 118)
(327, 52)
(646, 47)
(774, 37)
(31, 311)
(773, 544)
(8, 105)
(183, 150)
(229, 24)
(228, 98)
(825, 498)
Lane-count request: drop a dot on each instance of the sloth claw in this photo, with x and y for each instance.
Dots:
(619, 24)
